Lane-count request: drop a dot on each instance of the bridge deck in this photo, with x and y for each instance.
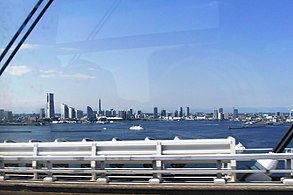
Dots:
(29, 187)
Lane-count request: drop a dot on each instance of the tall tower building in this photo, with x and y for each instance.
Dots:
(235, 113)
(64, 111)
(180, 112)
(221, 114)
(156, 112)
(90, 113)
(42, 113)
(71, 113)
(50, 111)
(187, 111)
(100, 106)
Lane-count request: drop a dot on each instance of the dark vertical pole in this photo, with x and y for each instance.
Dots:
(25, 36)
(20, 29)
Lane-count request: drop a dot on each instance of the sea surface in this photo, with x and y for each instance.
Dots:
(257, 137)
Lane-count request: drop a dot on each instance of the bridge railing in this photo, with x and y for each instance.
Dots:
(104, 157)
(104, 172)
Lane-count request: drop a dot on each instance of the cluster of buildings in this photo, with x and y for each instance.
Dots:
(5, 116)
(70, 114)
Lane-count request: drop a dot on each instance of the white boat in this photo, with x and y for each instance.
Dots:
(136, 127)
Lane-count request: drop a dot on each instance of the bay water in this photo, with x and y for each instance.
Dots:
(260, 137)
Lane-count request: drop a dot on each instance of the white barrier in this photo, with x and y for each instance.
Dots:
(106, 155)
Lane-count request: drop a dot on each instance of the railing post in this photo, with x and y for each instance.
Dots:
(288, 179)
(288, 167)
(49, 177)
(34, 163)
(94, 163)
(103, 177)
(232, 164)
(219, 179)
(2, 173)
(157, 165)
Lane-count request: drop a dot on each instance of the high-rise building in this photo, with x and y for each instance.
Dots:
(90, 113)
(50, 111)
(187, 111)
(156, 112)
(176, 113)
(42, 113)
(235, 113)
(163, 113)
(180, 112)
(72, 113)
(100, 106)
(1, 114)
(122, 114)
(215, 115)
(8, 116)
(64, 111)
(79, 114)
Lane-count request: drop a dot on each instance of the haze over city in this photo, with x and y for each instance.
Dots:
(204, 54)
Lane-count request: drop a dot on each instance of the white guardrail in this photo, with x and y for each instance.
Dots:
(156, 160)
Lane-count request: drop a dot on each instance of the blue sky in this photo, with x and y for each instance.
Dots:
(203, 54)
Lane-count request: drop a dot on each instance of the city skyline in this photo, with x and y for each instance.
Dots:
(203, 54)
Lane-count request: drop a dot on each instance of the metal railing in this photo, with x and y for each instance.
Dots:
(155, 161)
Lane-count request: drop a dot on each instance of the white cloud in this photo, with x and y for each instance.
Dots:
(23, 46)
(60, 74)
(29, 46)
(18, 70)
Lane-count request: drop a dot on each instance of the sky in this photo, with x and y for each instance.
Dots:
(204, 54)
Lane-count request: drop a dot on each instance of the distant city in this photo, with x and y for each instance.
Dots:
(69, 114)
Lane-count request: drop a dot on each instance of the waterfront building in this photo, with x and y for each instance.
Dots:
(8, 116)
(180, 112)
(215, 115)
(130, 114)
(176, 114)
(139, 115)
(42, 113)
(50, 111)
(122, 114)
(100, 106)
(235, 113)
(90, 113)
(72, 113)
(1, 114)
(221, 114)
(78, 114)
(64, 112)
(187, 111)
(163, 113)
(108, 113)
(156, 115)
(226, 116)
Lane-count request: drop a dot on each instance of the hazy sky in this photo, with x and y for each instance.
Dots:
(135, 54)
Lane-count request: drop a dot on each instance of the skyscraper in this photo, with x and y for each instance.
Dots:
(100, 106)
(180, 112)
(90, 113)
(156, 112)
(71, 113)
(64, 111)
(235, 113)
(50, 112)
(187, 111)
(42, 113)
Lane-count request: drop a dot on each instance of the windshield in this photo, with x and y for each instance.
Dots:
(152, 56)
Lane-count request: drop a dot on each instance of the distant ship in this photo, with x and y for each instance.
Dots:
(136, 127)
